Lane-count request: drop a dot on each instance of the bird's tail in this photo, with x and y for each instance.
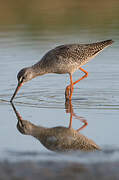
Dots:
(107, 42)
(103, 44)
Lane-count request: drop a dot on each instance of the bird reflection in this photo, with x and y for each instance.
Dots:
(61, 139)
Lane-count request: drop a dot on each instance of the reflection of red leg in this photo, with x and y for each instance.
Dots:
(69, 109)
(70, 123)
(85, 124)
(82, 120)
(68, 87)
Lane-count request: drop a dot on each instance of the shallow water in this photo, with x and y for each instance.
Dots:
(41, 101)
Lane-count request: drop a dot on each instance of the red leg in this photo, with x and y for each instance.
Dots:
(71, 87)
(86, 75)
(68, 87)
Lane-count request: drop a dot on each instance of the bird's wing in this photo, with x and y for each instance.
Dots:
(81, 51)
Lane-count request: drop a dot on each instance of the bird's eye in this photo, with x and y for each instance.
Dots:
(21, 79)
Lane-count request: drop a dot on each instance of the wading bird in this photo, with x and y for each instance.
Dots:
(61, 60)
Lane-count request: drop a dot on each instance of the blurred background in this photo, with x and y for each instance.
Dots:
(40, 16)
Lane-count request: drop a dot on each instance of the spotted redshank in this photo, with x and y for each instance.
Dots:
(62, 59)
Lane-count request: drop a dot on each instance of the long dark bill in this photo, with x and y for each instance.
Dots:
(18, 87)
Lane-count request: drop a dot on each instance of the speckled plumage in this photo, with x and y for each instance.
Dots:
(68, 58)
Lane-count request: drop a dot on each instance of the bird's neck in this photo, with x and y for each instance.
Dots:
(38, 69)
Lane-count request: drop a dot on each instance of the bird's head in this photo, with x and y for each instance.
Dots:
(23, 76)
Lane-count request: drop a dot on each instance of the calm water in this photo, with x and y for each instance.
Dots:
(41, 101)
